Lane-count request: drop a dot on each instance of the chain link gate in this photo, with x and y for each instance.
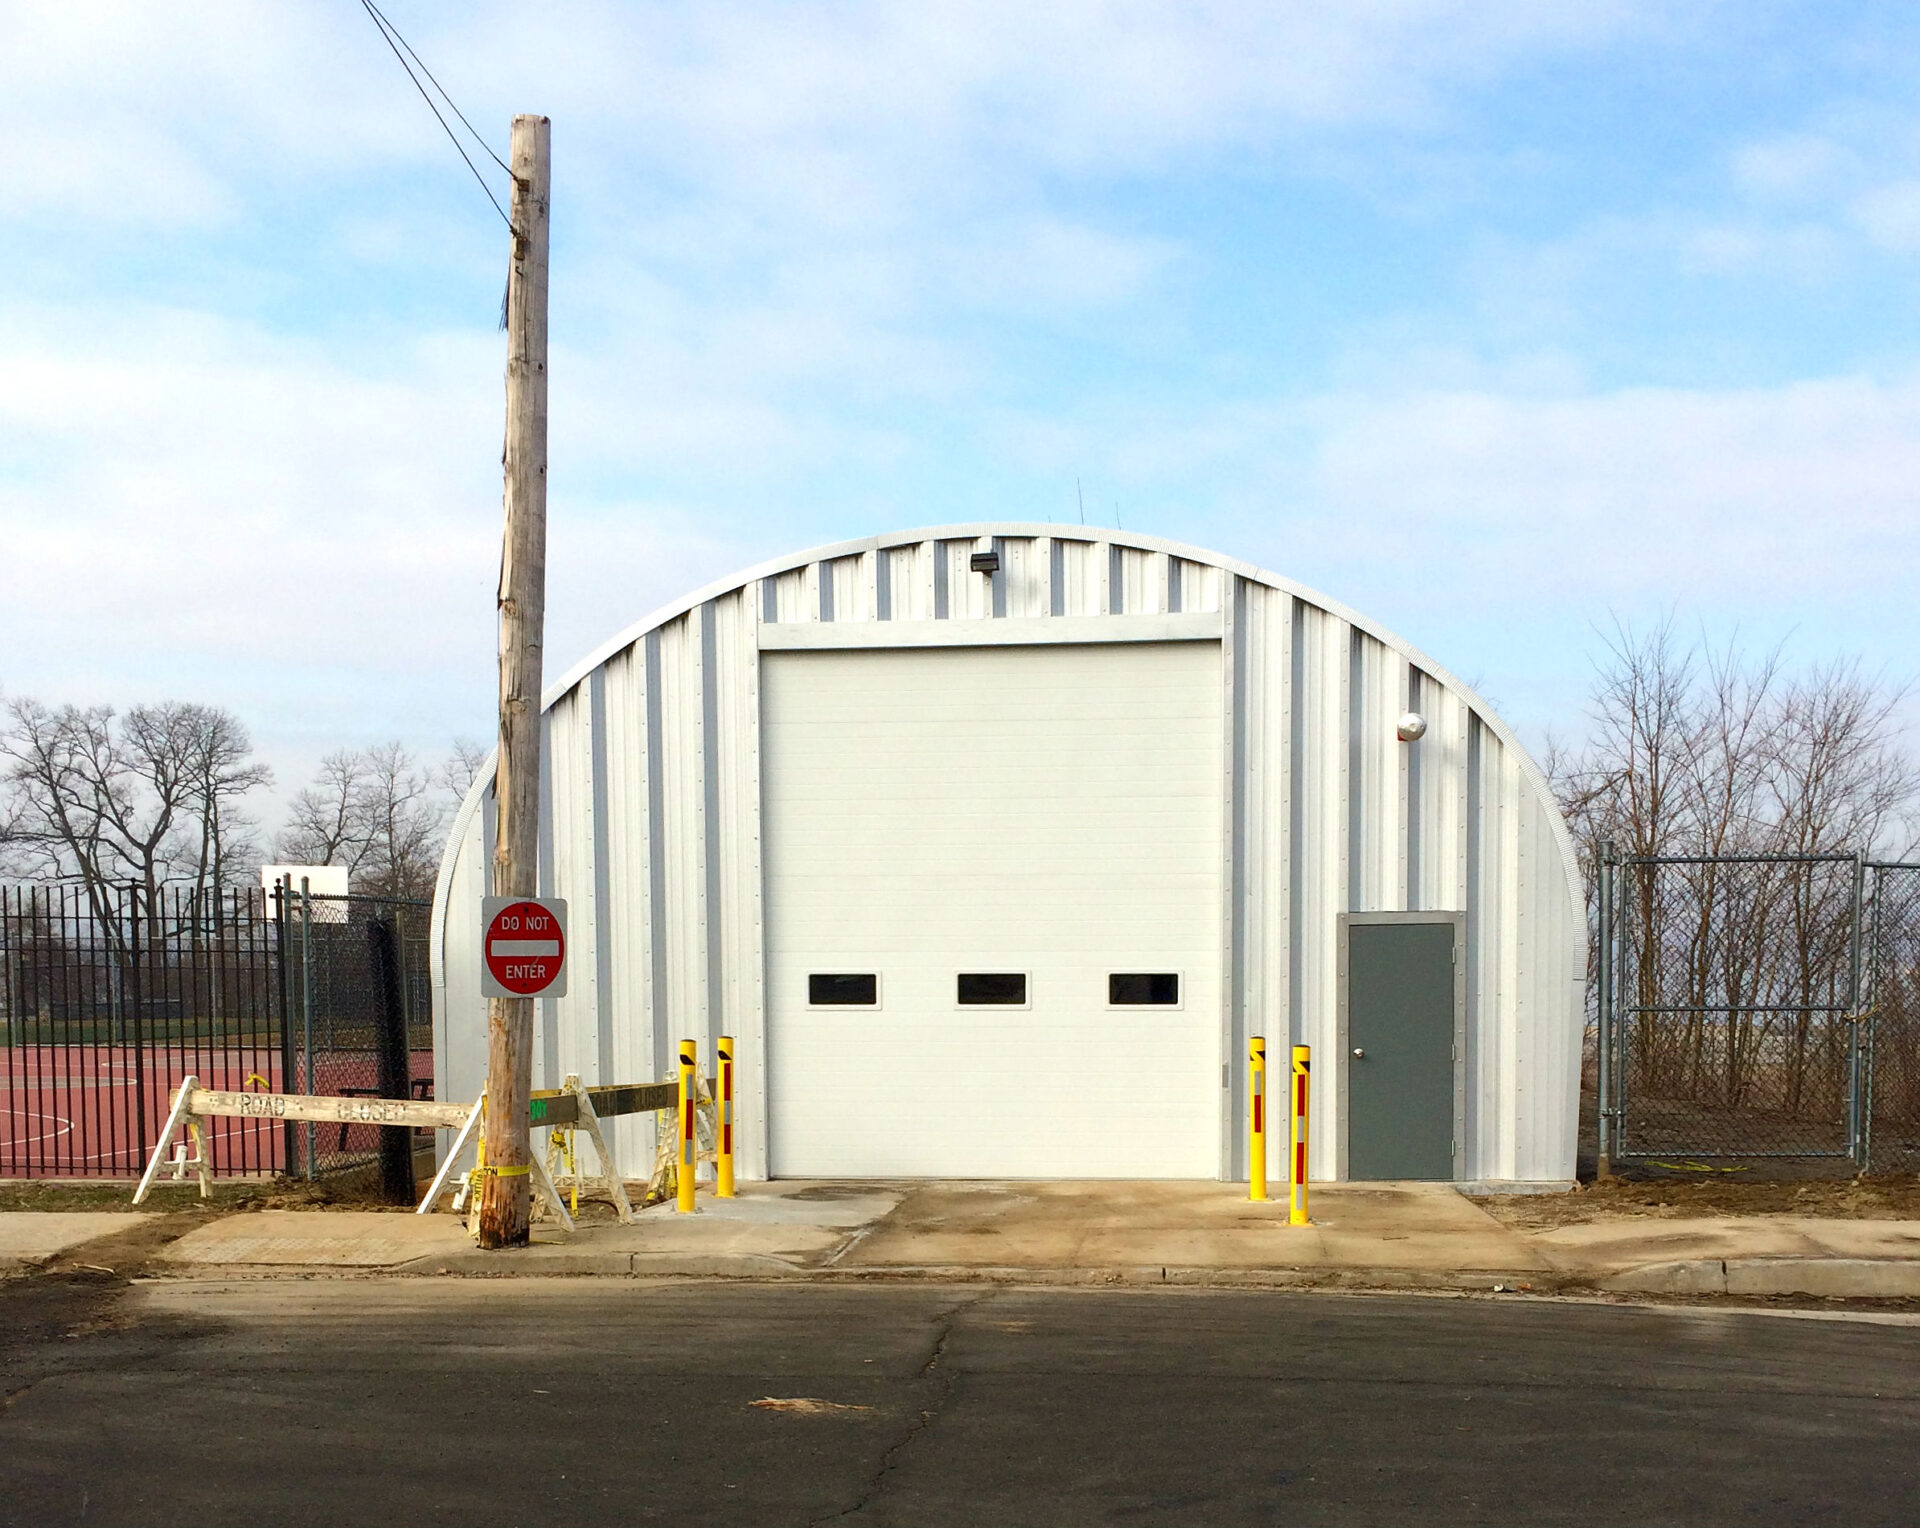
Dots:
(343, 999)
(1892, 1028)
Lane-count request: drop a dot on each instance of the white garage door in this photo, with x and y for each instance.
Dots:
(970, 855)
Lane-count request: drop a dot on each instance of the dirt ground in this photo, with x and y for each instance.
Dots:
(173, 1198)
(350, 1192)
(1719, 1192)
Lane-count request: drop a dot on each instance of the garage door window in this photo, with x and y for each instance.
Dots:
(993, 989)
(1143, 989)
(843, 989)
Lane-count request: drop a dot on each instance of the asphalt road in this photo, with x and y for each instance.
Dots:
(583, 1402)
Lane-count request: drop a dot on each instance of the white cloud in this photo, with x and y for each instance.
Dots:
(1725, 496)
(1792, 165)
(1805, 493)
(1890, 215)
(848, 114)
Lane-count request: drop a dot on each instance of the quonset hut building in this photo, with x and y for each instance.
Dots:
(992, 845)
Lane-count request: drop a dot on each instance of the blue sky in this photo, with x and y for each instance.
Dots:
(1495, 320)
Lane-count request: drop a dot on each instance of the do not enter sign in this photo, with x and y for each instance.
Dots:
(524, 947)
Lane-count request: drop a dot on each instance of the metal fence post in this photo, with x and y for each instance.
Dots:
(1856, 1056)
(1603, 1026)
(136, 1029)
(290, 1138)
(1871, 1021)
(306, 1005)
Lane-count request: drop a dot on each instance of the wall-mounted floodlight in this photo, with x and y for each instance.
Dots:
(1411, 727)
(984, 562)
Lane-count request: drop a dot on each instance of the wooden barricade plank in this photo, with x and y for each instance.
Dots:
(561, 1106)
(327, 1110)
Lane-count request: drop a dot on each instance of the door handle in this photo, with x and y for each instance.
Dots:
(1358, 1052)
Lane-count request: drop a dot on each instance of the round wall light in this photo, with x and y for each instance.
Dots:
(1412, 727)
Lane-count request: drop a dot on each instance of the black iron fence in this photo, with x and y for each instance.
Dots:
(1755, 1006)
(109, 996)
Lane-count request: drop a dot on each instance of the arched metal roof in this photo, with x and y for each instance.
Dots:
(976, 530)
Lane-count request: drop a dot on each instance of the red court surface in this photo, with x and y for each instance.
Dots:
(76, 1111)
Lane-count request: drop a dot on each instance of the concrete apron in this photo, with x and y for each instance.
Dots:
(1373, 1235)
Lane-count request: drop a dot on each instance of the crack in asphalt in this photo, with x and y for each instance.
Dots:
(945, 1380)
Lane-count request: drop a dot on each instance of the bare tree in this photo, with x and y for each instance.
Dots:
(221, 773)
(1701, 752)
(150, 797)
(52, 759)
(382, 814)
(404, 815)
(462, 767)
(325, 820)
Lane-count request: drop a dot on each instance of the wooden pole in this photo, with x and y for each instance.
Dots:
(505, 1194)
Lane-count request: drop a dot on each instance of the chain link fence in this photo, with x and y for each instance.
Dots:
(1759, 1006)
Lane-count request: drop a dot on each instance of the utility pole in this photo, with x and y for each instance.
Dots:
(506, 1190)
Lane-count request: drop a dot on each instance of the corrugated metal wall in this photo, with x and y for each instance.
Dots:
(652, 828)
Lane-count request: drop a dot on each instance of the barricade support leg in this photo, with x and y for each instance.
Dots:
(452, 1158)
(176, 1117)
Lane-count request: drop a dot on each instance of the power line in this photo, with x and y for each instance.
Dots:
(380, 16)
(390, 34)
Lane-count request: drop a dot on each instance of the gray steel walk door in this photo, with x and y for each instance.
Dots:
(1400, 1035)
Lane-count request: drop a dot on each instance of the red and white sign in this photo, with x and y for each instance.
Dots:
(523, 947)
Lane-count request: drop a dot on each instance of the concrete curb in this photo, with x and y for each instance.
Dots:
(1472, 1281)
(565, 1263)
(1820, 1278)
(1849, 1278)
(584, 1263)
(1827, 1278)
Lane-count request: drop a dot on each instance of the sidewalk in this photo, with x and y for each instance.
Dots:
(1376, 1236)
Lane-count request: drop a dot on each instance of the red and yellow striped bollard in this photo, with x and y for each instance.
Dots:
(1297, 1204)
(689, 1156)
(1257, 1119)
(723, 1145)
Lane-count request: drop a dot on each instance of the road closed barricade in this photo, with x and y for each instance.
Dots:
(565, 1112)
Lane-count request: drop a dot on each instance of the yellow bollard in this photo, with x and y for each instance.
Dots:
(689, 1137)
(723, 1147)
(1297, 1205)
(1257, 1130)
